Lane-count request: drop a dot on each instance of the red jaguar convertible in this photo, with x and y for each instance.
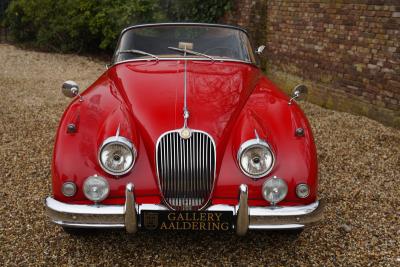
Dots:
(184, 132)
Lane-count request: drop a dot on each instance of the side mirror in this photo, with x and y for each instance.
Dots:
(70, 89)
(300, 92)
(260, 49)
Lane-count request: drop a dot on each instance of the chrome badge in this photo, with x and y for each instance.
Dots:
(185, 133)
(150, 220)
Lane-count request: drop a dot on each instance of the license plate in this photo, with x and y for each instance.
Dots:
(187, 220)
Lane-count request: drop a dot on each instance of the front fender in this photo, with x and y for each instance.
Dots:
(97, 117)
(267, 112)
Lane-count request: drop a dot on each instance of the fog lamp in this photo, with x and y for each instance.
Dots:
(96, 188)
(274, 190)
(68, 189)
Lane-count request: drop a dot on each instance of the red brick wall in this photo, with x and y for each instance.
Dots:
(348, 52)
(251, 15)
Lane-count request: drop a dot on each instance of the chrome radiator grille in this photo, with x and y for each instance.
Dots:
(186, 169)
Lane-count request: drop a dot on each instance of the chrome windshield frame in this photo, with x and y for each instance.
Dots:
(113, 62)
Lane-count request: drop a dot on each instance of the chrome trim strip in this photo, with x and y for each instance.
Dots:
(276, 227)
(302, 215)
(284, 211)
(155, 207)
(222, 207)
(242, 220)
(61, 207)
(88, 225)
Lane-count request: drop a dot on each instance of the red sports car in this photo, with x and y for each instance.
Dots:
(184, 132)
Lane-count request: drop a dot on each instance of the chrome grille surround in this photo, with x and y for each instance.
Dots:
(186, 169)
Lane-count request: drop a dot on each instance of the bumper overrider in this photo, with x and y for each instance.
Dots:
(127, 216)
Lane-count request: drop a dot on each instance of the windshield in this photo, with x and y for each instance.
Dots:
(218, 42)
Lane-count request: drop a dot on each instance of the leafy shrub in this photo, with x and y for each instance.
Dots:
(75, 25)
(3, 7)
(93, 25)
(197, 10)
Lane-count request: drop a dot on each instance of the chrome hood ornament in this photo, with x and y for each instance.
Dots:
(185, 132)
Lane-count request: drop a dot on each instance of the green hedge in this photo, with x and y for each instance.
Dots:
(94, 25)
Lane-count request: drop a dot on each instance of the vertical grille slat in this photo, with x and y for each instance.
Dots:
(186, 169)
(181, 175)
(206, 163)
(176, 166)
(203, 166)
(165, 164)
(196, 161)
(211, 162)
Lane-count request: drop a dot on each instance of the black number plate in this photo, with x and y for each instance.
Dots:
(187, 220)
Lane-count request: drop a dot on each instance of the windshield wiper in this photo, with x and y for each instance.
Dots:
(191, 52)
(140, 52)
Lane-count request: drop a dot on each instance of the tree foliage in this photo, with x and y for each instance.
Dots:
(94, 25)
(197, 10)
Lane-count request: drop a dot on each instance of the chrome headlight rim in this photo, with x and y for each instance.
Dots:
(124, 142)
(251, 144)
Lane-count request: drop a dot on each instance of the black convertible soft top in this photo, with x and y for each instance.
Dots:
(184, 24)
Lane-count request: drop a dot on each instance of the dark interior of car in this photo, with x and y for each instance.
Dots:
(213, 42)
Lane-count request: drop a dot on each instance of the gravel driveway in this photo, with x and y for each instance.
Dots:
(359, 163)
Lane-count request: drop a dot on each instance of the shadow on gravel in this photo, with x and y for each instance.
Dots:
(187, 248)
(183, 239)
(154, 236)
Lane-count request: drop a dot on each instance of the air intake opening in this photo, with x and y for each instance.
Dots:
(186, 169)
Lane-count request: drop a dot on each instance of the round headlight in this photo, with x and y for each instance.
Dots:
(255, 158)
(68, 189)
(274, 190)
(302, 190)
(96, 188)
(117, 155)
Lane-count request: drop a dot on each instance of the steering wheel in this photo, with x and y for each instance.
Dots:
(229, 50)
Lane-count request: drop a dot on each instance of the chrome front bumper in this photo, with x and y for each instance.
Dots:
(118, 216)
